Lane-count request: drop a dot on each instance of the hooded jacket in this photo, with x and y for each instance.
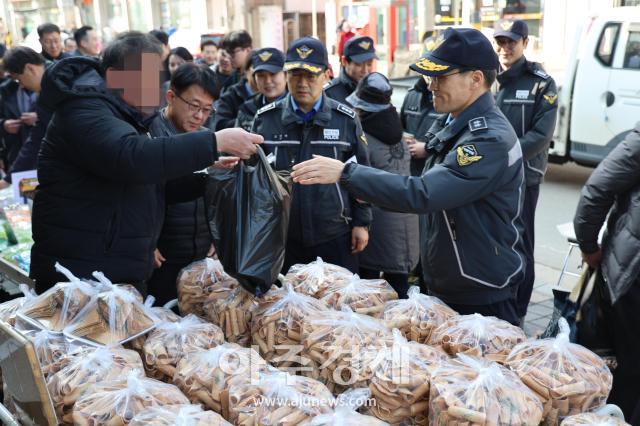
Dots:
(101, 199)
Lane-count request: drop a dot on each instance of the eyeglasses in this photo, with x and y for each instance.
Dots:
(437, 79)
(299, 74)
(195, 108)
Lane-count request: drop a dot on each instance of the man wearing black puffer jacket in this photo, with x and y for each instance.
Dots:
(185, 235)
(527, 97)
(103, 187)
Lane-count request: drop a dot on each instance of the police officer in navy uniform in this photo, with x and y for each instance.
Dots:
(527, 96)
(470, 194)
(325, 221)
(355, 64)
(270, 81)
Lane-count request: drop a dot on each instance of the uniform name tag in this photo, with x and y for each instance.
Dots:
(522, 94)
(331, 134)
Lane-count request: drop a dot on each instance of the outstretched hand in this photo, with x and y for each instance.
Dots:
(238, 142)
(318, 170)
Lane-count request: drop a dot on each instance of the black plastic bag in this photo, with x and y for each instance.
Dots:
(248, 211)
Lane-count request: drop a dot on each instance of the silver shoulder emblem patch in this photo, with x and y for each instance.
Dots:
(266, 108)
(346, 110)
(479, 123)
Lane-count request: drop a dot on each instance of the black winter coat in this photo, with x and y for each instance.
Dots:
(185, 235)
(101, 197)
(229, 105)
(9, 110)
(417, 116)
(614, 187)
(340, 88)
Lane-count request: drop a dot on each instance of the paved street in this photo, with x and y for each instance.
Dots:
(559, 197)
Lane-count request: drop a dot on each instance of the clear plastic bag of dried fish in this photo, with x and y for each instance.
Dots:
(66, 386)
(276, 325)
(197, 281)
(593, 419)
(401, 382)
(116, 402)
(232, 312)
(569, 378)
(178, 415)
(344, 412)
(342, 348)
(10, 308)
(477, 335)
(476, 391)
(170, 341)
(205, 376)
(417, 316)
(313, 278)
(366, 297)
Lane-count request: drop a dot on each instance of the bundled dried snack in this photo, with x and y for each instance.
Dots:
(362, 296)
(313, 278)
(177, 415)
(477, 335)
(278, 398)
(232, 312)
(113, 316)
(54, 350)
(345, 414)
(476, 391)
(593, 419)
(343, 348)
(9, 309)
(66, 386)
(417, 316)
(170, 341)
(400, 385)
(276, 325)
(568, 377)
(197, 281)
(60, 305)
(205, 376)
(117, 401)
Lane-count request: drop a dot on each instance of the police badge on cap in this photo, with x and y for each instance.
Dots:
(456, 49)
(307, 53)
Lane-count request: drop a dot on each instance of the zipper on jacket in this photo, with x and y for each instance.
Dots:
(111, 232)
(342, 216)
(522, 119)
(452, 225)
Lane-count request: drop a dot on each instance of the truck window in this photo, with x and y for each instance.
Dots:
(632, 51)
(607, 43)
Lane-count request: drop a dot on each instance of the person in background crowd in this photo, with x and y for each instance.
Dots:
(223, 68)
(324, 220)
(87, 41)
(209, 51)
(163, 38)
(70, 45)
(469, 195)
(344, 34)
(177, 56)
(271, 84)
(102, 179)
(230, 101)
(238, 45)
(27, 67)
(527, 96)
(17, 116)
(51, 42)
(356, 63)
(393, 243)
(610, 197)
(185, 233)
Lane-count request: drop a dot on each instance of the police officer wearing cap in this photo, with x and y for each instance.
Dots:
(270, 81)
(356, 63)
(324, 220)
(527, 96)
(470, 193)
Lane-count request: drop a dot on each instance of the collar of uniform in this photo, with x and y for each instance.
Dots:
(322, 113)
(515, 70)
(461, 122)
(350, 83)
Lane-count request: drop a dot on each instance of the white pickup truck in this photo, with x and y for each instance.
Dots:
(599, 102)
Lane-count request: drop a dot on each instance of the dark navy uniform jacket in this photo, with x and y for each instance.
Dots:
(319, 213)
(340, 88)
(470, 196)
(528, 98)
